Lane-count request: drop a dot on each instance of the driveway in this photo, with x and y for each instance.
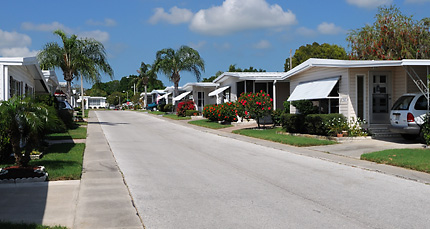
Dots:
(181, 177)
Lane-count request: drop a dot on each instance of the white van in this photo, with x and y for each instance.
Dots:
(407, 115)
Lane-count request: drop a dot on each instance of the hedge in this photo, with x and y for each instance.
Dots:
(308, 124)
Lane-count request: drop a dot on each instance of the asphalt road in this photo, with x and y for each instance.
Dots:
(181, 177)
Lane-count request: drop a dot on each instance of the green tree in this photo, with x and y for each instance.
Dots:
(171, 62)
(96, 92)
(392, 36)
(232, 68)
(212, 78)
(76, 57)
(315, 50)
(146, 75)
(24, 120)
(116, 98)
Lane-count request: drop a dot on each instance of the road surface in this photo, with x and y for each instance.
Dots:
(180, 177)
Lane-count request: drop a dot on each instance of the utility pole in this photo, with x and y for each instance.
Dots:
(291, 59)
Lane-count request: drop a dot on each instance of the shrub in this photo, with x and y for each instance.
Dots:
(225, 112)
(287, 106)
(276, 116)
(425, 130)
(292, 123)
(184, 106)
(317, 123)
(209, 112)
(305, 107)
(168, 107)
(255, 105)
(191, 113)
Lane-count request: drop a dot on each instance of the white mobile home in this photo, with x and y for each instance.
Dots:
(21, 76)
(357, 88)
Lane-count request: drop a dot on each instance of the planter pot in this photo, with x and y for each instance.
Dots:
(339, 135)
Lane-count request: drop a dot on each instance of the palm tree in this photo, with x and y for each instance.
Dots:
(146, 75)
(24, 120)
(171, 63)
(77, 57)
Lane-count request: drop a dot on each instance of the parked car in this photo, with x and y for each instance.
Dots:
(65, 106)
(407, 115)
(152, 107)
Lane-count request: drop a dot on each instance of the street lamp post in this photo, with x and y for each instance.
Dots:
(127, 94)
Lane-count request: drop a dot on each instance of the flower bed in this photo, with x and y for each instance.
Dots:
(15, 174)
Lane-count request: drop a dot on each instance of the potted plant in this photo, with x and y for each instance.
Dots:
(337, 127)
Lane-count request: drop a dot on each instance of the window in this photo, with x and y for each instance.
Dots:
(15, 87)
(421, 103)
(403, 103)
(260, 87)
(240, 86)
(226, 95)
(200, 99)
(249, 86)
(360, 97)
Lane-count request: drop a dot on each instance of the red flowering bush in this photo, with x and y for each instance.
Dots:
(222, 112)
(184, 106)
(254, 105)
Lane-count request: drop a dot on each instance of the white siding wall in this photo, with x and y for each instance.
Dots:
(3, 70)
(20, 73)
(231, 81)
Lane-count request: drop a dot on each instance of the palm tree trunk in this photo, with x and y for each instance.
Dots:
(82, 98)
(145, 102)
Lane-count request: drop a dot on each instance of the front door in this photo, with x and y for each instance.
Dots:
(380, 98)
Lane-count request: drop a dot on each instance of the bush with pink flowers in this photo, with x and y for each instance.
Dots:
(225, 112)
(185, 106)
(254, 105)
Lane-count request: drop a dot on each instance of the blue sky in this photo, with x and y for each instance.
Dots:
(256, 33)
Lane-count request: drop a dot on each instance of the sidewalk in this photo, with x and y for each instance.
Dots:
(99, 200)
(103, 200)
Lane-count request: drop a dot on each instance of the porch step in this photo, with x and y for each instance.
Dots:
(382, 131)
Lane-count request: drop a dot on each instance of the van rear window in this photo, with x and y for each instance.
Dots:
(403, 103)
(421, 103)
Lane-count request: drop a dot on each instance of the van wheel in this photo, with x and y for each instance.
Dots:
(409, 136)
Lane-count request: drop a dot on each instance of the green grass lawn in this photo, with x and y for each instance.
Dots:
(78, 133)
(175, 117)
(272, 135)
(27, 226)
(416, 159)
(209, 124)
(156, 112)
(61, 161)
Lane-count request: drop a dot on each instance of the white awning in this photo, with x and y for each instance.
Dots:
(165, 96)
(318, 89)
(181, 96)
(217, 91)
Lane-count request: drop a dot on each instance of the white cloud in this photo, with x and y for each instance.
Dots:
(416, 1)
(303, 31)
(329, 29)
(98, 35)
(13, 44)
(263, 44)
(198, 45)
(175, 16)
(45, 27)
(17, 52)
(369, 4)
(107, 22)
(240, 15)
(13, 39)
